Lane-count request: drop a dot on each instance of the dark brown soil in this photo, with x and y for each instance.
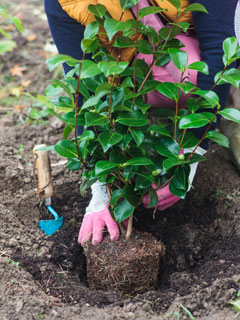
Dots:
(127, 266)
(45, 277)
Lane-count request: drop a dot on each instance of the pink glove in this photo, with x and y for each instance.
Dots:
(165, 198)
(93, 225)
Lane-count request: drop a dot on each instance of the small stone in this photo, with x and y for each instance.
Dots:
(221, 261)
(13, 242)
(19, 306)
(3, 260)
(35, 246)
(236, 278)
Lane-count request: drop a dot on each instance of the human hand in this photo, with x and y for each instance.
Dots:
(93, 225)
(165, 198)
(97, 217)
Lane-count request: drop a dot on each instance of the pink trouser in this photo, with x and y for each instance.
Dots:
(169, 72)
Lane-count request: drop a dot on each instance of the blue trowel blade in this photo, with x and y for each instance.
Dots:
(50, 226)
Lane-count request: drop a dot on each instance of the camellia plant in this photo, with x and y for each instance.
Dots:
(126, 144)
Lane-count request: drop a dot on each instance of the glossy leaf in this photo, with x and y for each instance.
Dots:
(137, 135)
(159, 129)
(195, 7)
(138, 162)
(171, 162)
(74, 164)
(112, 67)
(91, 30)
(108, 139)
(104, 166)
(69, 118)
(153, 198)
(209, 95)
(143, 180)
(66, 148)
(169, 90)
(231, 114)
(176, 3)
(168, 147)
(195, 120)
(89, 69)
(127, 4)
(149, 10)
(67, 130)
(59, 59)
(179, 58)
(98, 10)
(189, 140)
(218, 138)
(95, 119)
(132, 119)
(113, 26)
(199, 66)
(123, 210)
(230, 46)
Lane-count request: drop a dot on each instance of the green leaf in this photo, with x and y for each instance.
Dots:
(218, 138)
(127, 4)
(189, 140)
(139, 161)
(179, 184)
(108, 139)
(87, 135)
(209, 95)
(69, 118)
(116, 156)
(6, 46)
(124, 42)
(195, 120)
(153, 198)
(91, 30)
(67, 130)
(104, 166)
(85, 185)
(123, 210)
(116, 195)
(230, 46)
(53, 90)
(199, 66)
(168, 147)
(149, 10)
(66, 148)
(113, 26)
(168, 89)
(168, 34)
(132, 119)
(187, 87)
(89, 69)
(179, 58)
(159, 129)
(59, 59)
(74, 164)
(231, 114)
(138, 136)
(144, 47)
(231, 76)
(143, 180)
(90, 45)
(112, 67)
(176, 4)
(95, 119)
(98, 10)
(163, 60)
(101, 91)
(125, 142)
(195, 7)
(171, 162)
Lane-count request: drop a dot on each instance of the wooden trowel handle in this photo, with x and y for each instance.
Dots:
(43, 171)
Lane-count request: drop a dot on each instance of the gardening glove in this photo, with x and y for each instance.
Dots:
(97, 217)
(165, 198)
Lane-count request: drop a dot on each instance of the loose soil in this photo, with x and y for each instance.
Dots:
(45, 277)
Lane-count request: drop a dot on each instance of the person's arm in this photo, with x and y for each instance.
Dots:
(211, 30)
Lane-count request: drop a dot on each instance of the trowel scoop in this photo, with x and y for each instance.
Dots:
(45, 189)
